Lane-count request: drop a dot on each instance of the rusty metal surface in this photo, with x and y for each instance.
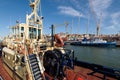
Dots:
(3, 73)
(96, 76)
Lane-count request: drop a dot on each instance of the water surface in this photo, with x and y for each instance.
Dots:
(109, 57)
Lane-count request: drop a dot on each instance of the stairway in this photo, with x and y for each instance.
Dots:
(35, 68)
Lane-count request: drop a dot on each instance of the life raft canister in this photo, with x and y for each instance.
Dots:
(59, 41)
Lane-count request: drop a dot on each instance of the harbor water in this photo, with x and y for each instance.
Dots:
(109, 57)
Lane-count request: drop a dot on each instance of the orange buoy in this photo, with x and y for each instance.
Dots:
(59, 41)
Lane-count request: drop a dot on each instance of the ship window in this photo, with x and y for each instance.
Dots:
(21, 34)
(39, 34)
(22, 31)
(22, 28)
(30, 29)
(32, 33)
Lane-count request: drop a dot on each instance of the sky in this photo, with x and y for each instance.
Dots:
(78, 13)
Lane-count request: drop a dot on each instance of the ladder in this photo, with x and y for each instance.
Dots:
(34, 66)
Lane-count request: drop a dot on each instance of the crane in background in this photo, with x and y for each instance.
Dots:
(66, 26)
(57, 25)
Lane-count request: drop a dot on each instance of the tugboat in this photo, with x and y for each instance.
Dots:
(26, 56)
(20, 54)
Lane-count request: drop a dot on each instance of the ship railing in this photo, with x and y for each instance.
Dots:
(106, 71)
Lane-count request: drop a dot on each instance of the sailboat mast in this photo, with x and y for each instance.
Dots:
(72, 25)
(87, 24)
(78, 24)
(98, 25)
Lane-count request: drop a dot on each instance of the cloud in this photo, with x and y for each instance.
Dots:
(67, 1)
(69, 11)
(100, 6)
(75, 2)
(81, 5)
(115, 21)
(111, 27)
(116, 18)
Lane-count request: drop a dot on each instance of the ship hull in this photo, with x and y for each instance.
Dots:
(108, 44)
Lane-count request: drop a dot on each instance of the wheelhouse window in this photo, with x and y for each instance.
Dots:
(39, 33)
(22, 31)
(21, 34)
(32, 33)
(22, 28)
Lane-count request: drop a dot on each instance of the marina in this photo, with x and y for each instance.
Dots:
(26, 53)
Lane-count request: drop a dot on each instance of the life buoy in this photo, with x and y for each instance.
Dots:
(59, 41)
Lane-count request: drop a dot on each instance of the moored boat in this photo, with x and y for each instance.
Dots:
(94, 42)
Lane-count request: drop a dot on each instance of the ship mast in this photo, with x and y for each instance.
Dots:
(87, 24)
(78, 25)
(33, 20)
(98, 25)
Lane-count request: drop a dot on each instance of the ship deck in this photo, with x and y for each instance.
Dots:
(96, 76)
(3, 73)
(84, 71)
